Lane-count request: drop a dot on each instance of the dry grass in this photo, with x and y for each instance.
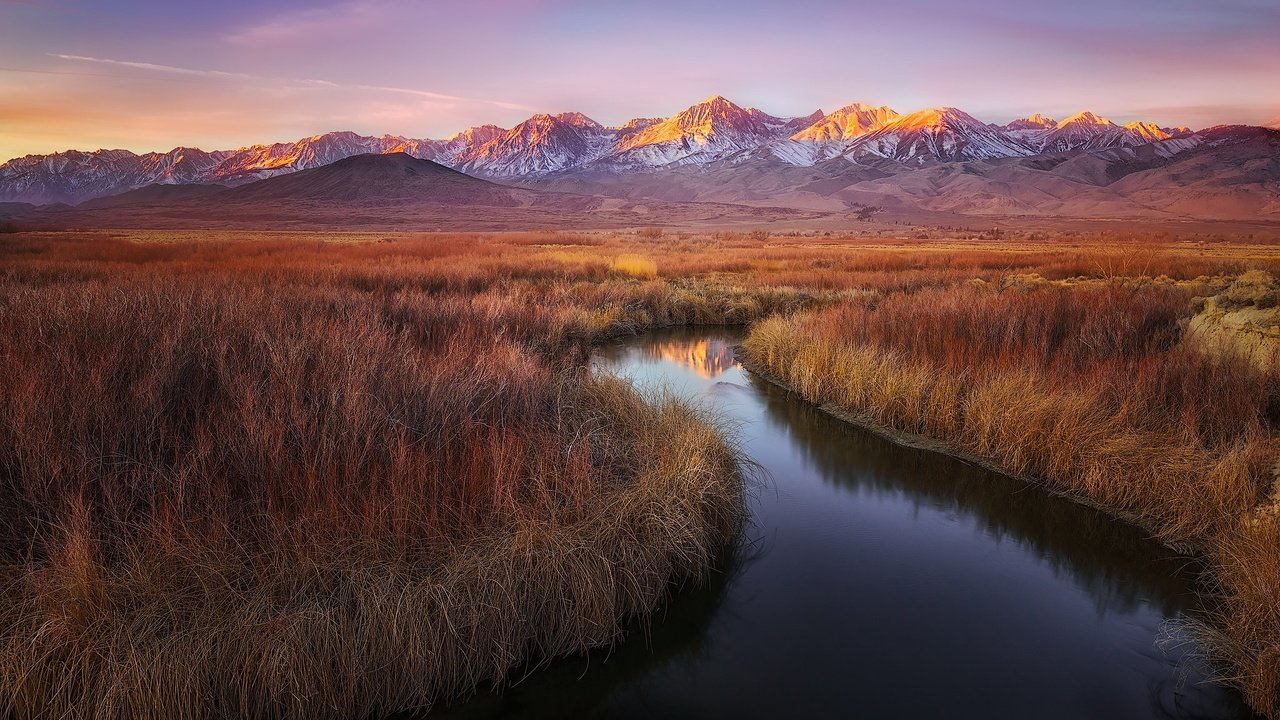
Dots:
(293, 482)
(1079, 387)
(636, 266)
(226, 456)
(1089, 388)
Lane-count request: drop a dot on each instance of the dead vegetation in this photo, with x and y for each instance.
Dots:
(1092, 387)
(225, 457)
(237, 479)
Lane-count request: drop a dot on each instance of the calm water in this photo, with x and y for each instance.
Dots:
(885, 582)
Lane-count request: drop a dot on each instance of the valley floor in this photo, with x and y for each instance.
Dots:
(230, 455)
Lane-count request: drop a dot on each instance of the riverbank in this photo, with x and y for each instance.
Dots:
(1121, 422)
(938, 445)
(268, 481)
(225, 452)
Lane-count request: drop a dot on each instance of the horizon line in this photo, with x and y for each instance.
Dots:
(707, 99)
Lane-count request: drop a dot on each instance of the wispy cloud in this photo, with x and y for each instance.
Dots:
(312, 21)
(154, 67)
(311, 82)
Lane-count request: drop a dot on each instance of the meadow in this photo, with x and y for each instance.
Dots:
(240, 469)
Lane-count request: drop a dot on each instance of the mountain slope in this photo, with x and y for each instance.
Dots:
(73, 175)
(379, 179)
(456, 149)
(261, 161)
(1230, 173)
(1085, 131)
(1032, 122)
(945, 134)
(846, 123)
(391, 190)
(541, 144)
(713, 151)
(709, 129)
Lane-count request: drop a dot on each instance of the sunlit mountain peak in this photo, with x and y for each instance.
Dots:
(1035, 121)
(846, 123)
(1085, 118)
(1148, 132)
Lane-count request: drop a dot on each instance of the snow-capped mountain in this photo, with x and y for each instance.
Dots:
(179, 165)
(1031, 128)
(635, 125)
(262, 161)
(548, 144)
(715, 131)
(1147, 132)
(1033, 123)
(784, 126)
(542, 144)
(708, 130)
(937, 134)
(1085, 131)
(458, 148)
(847, 123)
(826, 136)
(73, 175)
(1088, 131)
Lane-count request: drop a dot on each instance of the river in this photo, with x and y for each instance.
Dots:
(880, 581)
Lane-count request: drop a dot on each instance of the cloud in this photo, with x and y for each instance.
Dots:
(311, 22)
(153, 66)
(311, 82)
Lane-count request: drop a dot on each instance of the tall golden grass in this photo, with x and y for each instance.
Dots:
(1088, 389)
(308, 475)
(233, 487)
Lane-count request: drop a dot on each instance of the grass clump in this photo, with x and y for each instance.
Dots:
(1089, 389)
(323, 475)
(637, 266)
(227, 492)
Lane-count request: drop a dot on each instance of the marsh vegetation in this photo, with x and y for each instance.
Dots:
(238, 471)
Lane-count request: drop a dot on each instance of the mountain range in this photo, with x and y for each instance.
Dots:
(379, 190)
(937, 159)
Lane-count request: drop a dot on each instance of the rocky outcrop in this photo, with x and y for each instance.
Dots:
(1243, 320)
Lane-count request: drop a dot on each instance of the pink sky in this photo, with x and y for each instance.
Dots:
(146, 75)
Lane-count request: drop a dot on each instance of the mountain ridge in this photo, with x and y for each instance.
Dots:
(712, 132)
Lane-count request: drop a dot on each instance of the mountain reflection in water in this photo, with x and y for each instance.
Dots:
(708, 357)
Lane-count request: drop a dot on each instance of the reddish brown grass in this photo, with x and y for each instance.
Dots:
(233, 487)
(1090, 389)
(240, 471)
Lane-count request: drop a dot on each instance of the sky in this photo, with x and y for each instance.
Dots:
(144, 75)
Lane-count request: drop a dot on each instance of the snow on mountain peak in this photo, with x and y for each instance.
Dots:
(577, 119)
(1032, 122)
(487, 132)
(943, 133)
(710, 128)
(1087, 131)
(542, 144)
(939, 118)
(846, 123)
(1147, 132)
(639, 123)
(1085, 118)
(711, 131)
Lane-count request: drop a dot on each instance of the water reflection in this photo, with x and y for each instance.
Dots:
(1113, 561)
(885, 582)
(707, 357)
